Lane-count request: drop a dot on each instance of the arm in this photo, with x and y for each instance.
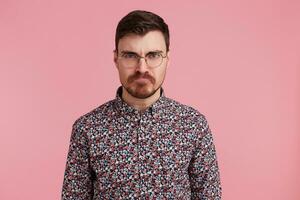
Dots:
(77, 183)
(203, 170)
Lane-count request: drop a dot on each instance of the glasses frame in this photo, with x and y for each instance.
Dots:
(145, 58)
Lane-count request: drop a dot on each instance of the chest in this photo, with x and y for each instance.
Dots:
(141, 145)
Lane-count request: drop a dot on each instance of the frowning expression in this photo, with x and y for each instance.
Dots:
(139, 79)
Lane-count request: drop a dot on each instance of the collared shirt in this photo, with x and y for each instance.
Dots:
(118, 152)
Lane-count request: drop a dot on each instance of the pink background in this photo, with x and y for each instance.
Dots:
(235, 61)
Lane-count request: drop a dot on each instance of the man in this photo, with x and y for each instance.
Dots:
(141, 145)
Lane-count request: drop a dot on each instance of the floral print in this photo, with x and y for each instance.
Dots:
(118, 152)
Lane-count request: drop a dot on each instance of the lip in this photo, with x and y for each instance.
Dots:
(142, 80)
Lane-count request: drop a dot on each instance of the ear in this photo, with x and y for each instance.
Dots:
(168, 58)
(116, 58)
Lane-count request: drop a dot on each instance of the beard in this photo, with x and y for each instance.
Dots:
(141, 90)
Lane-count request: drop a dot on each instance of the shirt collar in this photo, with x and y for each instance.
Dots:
(125, 109)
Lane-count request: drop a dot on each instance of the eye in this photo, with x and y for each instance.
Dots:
(129, 55)
(153, 55)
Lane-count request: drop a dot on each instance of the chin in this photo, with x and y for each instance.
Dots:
(141, 92)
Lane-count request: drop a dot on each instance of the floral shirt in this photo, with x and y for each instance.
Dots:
(118, 152)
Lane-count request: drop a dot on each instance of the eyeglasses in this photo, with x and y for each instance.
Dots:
(131, 59)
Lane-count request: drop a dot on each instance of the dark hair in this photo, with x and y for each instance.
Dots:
(141, 22)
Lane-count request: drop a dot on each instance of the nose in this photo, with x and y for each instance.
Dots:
(142, 66)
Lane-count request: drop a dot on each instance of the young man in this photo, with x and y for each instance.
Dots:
(141, 145)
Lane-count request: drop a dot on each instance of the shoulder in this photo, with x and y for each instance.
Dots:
(189, 115)
(183, 110)
(95, 116)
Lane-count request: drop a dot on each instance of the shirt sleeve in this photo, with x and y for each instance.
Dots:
(77, 183)
(203, 169)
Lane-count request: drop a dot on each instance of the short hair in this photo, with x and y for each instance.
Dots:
(141, 22)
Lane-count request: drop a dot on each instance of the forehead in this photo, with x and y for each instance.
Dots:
(151, 41)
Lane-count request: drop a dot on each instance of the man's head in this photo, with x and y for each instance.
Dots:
(142, 34)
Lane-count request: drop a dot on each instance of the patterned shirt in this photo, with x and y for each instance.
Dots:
(118, 152)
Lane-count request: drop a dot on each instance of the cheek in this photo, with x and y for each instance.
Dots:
(159, 76)
(161, 73)
(123, 74)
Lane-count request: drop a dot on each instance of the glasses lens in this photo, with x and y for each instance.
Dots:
(129, 60)
(154, 60)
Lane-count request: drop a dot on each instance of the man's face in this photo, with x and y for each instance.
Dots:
(141, 81)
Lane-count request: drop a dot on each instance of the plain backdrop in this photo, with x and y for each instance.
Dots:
(235, 61)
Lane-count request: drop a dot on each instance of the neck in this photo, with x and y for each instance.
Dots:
(140, 104)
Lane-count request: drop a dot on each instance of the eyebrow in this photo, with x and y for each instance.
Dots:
(132, 52)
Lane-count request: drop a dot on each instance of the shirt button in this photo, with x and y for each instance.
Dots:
(136, 195)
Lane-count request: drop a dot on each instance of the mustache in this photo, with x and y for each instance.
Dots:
(139, 75)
